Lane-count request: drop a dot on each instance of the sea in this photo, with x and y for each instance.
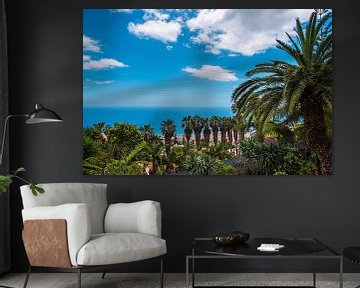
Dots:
(150, 116)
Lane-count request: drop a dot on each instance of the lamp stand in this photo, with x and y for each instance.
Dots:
(4, 135)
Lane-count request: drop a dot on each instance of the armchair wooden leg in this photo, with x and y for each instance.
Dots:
(103, 275)
(79, 277)
(161, 273)
(27, 277)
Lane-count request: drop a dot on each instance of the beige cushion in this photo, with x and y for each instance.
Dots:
(138, 217)
(113, 248)
(92, 194)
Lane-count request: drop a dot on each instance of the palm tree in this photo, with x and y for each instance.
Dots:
(186, 124)
(197, 124)
(148, 132)
(236, 133)
(305, 87)
(168, 128)
(99, 127)
(155, 148)
(207, 130)
(230, 127)
(223, 125)
(97, 131)
(239, 126)
(213, 122)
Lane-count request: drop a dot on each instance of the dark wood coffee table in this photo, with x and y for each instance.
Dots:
(295, 248)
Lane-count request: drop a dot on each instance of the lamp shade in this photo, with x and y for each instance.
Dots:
(42, 115)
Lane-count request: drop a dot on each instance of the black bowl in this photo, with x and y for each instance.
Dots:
(241, 236)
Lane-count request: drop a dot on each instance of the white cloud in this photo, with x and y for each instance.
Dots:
(86, 58)
(90, 44)
(103, 82)
(245, 31)
(169, 47)
(157, 29)
(103, 63)
(122, 10)
(211, 72)
(99, 82)
(154, 14)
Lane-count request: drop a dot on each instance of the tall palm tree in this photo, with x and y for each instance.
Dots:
(197, 124)
(305, 87)
(236, 133)
(239, 125)
(168, 129)
(148, 132)
(230, 127)
(207, 130)
(186, 124)
(213, 122)
(223, 125)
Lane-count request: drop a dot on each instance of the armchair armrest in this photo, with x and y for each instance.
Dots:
(77, 217)
(138, 217)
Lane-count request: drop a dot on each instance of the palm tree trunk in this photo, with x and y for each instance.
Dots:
(313, 112)
(188, 137)
(236, 135)
(197, 139)
(207, 133)
(241, 134)
(230, 136)
(215, 135)
(188, 133)
(223, 136)
(167, 143)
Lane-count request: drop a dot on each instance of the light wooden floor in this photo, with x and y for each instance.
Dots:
(68, 280)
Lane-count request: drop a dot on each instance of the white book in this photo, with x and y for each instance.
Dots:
(270, 247)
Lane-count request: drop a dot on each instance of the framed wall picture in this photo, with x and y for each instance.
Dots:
(207, 92)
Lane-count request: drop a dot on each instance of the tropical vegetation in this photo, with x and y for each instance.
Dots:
(295, 92)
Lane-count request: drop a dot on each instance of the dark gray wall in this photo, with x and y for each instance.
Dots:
(45, 48)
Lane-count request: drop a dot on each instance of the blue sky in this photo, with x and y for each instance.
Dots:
(176, 58)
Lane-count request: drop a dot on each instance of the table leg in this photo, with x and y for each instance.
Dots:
(193, 272)
(341, 273)
(314, 271)
(187, 272)
(193, 267)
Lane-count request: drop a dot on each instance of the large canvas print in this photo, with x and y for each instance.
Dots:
(207, 92)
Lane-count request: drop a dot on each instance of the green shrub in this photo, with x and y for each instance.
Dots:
(223, 169)
(91, 147)
(268, 155)
(220, 151)
(198, 164)
(277, 158)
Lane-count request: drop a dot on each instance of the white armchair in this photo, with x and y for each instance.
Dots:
(72, 228)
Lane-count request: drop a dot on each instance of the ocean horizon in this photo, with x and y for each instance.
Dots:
(152, 116)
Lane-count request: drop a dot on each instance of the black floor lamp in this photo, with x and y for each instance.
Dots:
(39, 115)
